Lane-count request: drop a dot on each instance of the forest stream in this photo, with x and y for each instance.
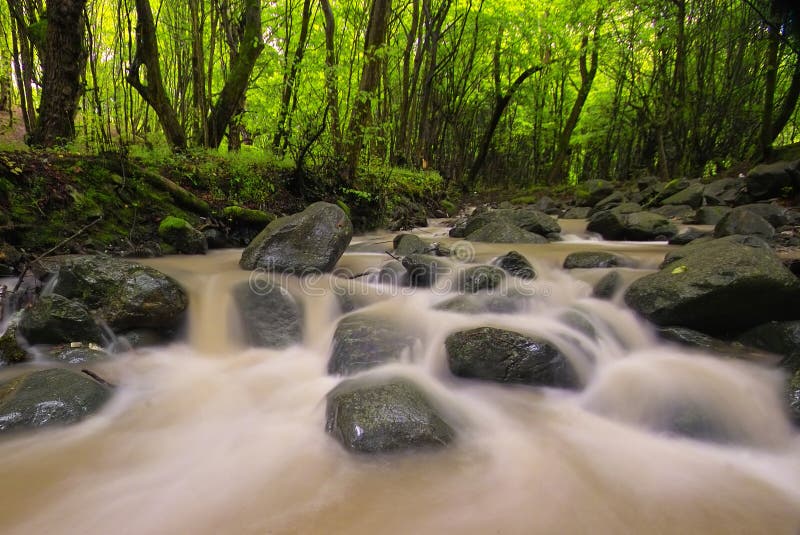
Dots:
(208, 435)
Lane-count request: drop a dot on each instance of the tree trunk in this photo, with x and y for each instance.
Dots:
(230, 98)
(767, 134)
(63, 64)
(500, 105)
(198, 71)
(370, 78)
(331, 81)
(288, 90)
(154, 92)
(587, 78)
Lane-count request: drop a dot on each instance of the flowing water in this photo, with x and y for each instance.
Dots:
(208, 436)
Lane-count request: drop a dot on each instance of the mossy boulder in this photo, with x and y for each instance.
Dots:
(608, 286)
(528, 219)
(182, 236)
(476, 278)
(270, 316)
(515, 264)
(723, 192)
(423, 270)
(577, 212)
(636, 226)
(508, 357)
(591, 192)
(78, 355)
(779, 179)
(691, 196)
(247, 216)
(710, 215)
(719, 286)
(743, 221)
(54, 319)
(384, 416)
(309, 241)
(49, 397)
(597, 259)
(12, 350)
(778, 337)
(125, 294)
(363, 341)
(504, 232)
(406, 244)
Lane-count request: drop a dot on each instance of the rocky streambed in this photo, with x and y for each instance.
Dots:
(461, 375)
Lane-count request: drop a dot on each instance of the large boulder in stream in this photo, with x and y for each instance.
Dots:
(476, 278)
(363, 341)
(508, 357)
(49, 397)
(691, 196)
(725, 191)
(11, 347)
(368, 416)
(719, 286)
(636, 226)
(528, 219)
(591, 192)
(515, 264)
(743, 221)
(778, 337)
(597, 259)
(270, 316)
(125, 294)
(309, 241)
(54, 319)
(504, 232)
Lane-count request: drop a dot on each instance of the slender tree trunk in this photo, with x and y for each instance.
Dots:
(500, 104)
(154, 92)
(405, 88)
(789, 103)
(63, 64)
(197, 17)
(767, 134)
(587, 78)
(370, 78)
(331, 80)
(230, 98)
(288, 90)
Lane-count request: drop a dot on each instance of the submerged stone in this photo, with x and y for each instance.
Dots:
(362, 341)
(515, 264)
(270, 316)
(54, 319)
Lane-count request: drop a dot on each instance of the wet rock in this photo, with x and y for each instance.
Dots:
(591, 192)
(54, 319)
(393, 273)
(548, 206)
(793, 395)
(699, 245)
(525, 218)
(775, 215)
(608, 202)
(724, 191)
(577, 212)
(675, 211)
(459, 229)
(137, 338)
(691, 196)
(10, 259)
(710, 215)
(423, 270)
(779, 179)
(637, 226)
(608, 286)
(477, 278)
(408, 215)
(508, 357)
(406, 244)
(216, 239)
(746, 222)
(688, 235)
(386, 416)
(482, 304)
(515, 264)
(182, 236)
(12, 350)
(503, 232)
(778, 337)
(691, 338)
(363, 341)
(125, 294)
(720, 286)
(79, 355)
(308, 241)
(270, 316)
(596, 259)
(49, 397)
